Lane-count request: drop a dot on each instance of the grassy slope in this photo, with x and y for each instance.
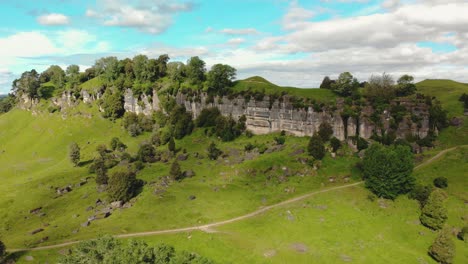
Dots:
(34, 158)
(260, 84)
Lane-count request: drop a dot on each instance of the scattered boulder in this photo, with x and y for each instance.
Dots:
(36, 231)
(61, 191)
(89, 208)
(35, 210)
(192, 197)
(346, 258)
(269, 253)
(85, 224)
(44, 239)
(299, 247)
(76, 231)
(64, 251)
(91, 218)
(182, 157)
(456, 121)
(29, 258)
(332, 179)
(189, 173)
(98, 202)
(116, 204)
(298, 152)
(75, 215)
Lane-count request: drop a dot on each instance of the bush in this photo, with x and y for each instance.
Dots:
(175, 171)
(421, 194)
(434, 214)
(441, 182)
(122, 186)
(280, 140)
(335, 144)
(361, 143)
(443, 248)
(463, 234)
(74, 154)
(147, 153)
(113, 105)
(249, 147)
(213, 151)
(116, 144)
(316, 148)
(100, 169)
(325, 131)
(387, 170)
(208, 117)
(171, 145)
(2, 250)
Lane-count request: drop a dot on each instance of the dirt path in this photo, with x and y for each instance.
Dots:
(210, 227)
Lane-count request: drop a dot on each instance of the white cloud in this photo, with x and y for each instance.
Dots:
(53, 19)
(239, 31)
(151, 16)
(235, 41)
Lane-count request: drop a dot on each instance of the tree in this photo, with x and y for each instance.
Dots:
(443, 247)
(176, 71)
(101, 170)
(335, 144)
(7, 103)
(437, 116)
(463, 234)
(74, 153)
(316, 148)
(387, 170)
(441, 182)
(122, 186)
(195, 70)
(147, 153)
(108, 68)
(113, 105)
(208, 117)
(421, 193)
(175, 171)
(380, 88)
(405, 85)
(213, 151)
(102, 150)
(73, 75)
(325, 131)
(116, 144)
(326, 83)
(434, 214)
(27, 84)
(220, 78)
(345, 85)
(171, 145)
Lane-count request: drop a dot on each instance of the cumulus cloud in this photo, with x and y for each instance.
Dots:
(239, 31)
(53, 19)
(151, 16)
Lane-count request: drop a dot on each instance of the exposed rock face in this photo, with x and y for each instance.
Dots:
(67, 100)
(27, 103)
(265, 117)
(140, 105)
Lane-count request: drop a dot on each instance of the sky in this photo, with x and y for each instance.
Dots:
(291, 43)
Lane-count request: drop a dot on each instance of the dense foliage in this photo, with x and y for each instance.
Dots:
(110, 250)
(213, 151)
(74, 153)
(6, 103)
(387, 170)
(122, 185)
(2, 250)
(325, 131)
(443, 247)
(421, 193)
(441, 182)
(434, 214)
(175, 171)
(316, 148)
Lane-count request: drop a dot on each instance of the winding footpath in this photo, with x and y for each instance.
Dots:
(208, 227)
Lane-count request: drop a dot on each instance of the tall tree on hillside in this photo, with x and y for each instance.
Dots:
(405, 85)
(326, 83)
(74, 153)
(108, 68)
(162, 65)
(140, 66)
(380, 88)
(325, 131)
(176, 71)
(220, 78)
(443, 248)
(316, 148)
(434, 214)
(54, 74)
(195, 70)
(28, 84)
(73, 75)
(122, 186)
(101, 170)
(345, 85)
(387, 170)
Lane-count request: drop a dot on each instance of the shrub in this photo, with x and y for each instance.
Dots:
(122, 186)
(280, 140)
(441, 182)
(316, 148)
(434, 214)
(421, 194)
(213, 151)
(361, 143)
(443, 248)
(171, 145)
(387, 170)
(175, 172)
(147, 153)
(325, 131)
(248, 133)
(335, 144)
(208, 117)
(113, 105)
(463, 234)
(74, 153)
(101, 170)
(249, 147)
(116, 144)
(2, 250)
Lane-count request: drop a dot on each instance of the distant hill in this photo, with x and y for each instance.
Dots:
(447, 91)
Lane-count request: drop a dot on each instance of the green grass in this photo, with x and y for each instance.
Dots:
(257, 83)
(92, 84)
(447, 92)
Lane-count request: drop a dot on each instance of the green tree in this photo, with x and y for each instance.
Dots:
(213, 151)
(147, 153)
(176, 71)
(345, 85)
(195, 70)
(325, 131)
(434, 214)
(100, 169)
(316, 148)
(380, 88)
(107, 68)
(122, 186)
(441, 182)
(140, 66)
(387, 170)
(421, 193)
(326, 83)
(171, 145)
(74, 153)
(463, 234)
(335, 143)
(175, 171)
(116, 144)
(208, 117)
(443, 247)
(2, 250)
(437, 116)
(27, 84)
(6, 103)
(73, 75)
(220, 78)
(113, 105)
(405, 85)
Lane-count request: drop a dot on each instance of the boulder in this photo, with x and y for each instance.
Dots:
(116, 204)
(182, 157)
(189, 173)
(35, 210)
(192, 197)
(85, 224)
(36, 231)
(456, 121)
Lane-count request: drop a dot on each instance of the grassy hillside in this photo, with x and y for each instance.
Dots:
(257, 83)
(447, 91)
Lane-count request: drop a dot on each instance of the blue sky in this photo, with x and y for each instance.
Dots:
(294, 43)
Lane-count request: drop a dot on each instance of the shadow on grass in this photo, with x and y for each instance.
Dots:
(84, 163)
